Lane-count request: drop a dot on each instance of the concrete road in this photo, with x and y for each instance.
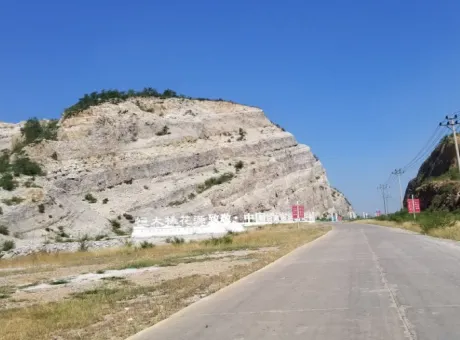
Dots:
(357, 282)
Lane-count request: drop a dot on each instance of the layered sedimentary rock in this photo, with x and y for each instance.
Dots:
(162, 157)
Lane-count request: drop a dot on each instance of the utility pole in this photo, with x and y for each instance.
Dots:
(451, 123)
(383, 188)
(399, 172)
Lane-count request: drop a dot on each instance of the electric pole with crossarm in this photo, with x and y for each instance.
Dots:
(383, 188)
(399, 172)
(451, 123)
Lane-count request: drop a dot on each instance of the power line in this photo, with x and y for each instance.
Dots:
(430, 140)
(426, 149)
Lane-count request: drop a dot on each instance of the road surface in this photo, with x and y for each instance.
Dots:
(357, 282)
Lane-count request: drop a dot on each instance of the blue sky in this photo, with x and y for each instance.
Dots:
(364, 85)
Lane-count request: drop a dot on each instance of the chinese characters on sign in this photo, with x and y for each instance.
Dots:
(413, 205)
(298, 211)
(187, 221)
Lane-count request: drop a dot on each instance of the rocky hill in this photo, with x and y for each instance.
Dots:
(150, 156)
(438, 181)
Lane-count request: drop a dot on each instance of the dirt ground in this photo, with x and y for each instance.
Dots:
(29, 288)
(114, 294)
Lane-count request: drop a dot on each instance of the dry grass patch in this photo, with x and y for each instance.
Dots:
(406, 225)
(115, 312)
(451, 232)
(266, 237)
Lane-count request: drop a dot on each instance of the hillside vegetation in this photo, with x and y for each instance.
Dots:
(15, 163)
(440, 224)
(437, 183)
(116, 96)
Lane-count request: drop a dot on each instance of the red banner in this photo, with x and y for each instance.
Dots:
(413, 205)
(298, 211)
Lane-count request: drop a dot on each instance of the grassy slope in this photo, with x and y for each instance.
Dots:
(117, 311)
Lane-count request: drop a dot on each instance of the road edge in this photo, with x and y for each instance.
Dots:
(230, 286)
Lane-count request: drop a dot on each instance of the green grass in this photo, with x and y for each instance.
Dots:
(6, 291)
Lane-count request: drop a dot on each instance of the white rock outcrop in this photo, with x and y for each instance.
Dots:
(151, 157)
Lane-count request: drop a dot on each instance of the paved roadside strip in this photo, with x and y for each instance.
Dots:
(356, 282)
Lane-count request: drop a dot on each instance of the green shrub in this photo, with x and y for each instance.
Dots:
(175, 240)
(128, 217)
(191, 196)
(62, 233)
(90, 198)
(146, 245)
(210, 182)
(50, 129)
(32, 130)
(115, 224)
(41, 208)
(398, 217)
(35, 131)
(4, 230)
(15, 200)
(115, 96)
(5, 162)
(119, 232)
(164, 131)
(278, 126)
(242, 135)
(427, 220)
(178, 240)
(7, 182)
(23, 165)
(168, 93)
(227, 239)
(105, 201)
(54, 156)
(83, 243)
(59, 282)
(434, 220)
(8, 245)
(116, 227)
(239, 165)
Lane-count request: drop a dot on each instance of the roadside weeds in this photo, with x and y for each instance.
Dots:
(451, 232)
(119, 308)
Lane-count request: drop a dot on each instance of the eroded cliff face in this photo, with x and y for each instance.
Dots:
(7, 133)
(155, 157)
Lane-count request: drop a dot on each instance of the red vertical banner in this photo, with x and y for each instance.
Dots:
(301, 211)
(298, 211)
(413, 205)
